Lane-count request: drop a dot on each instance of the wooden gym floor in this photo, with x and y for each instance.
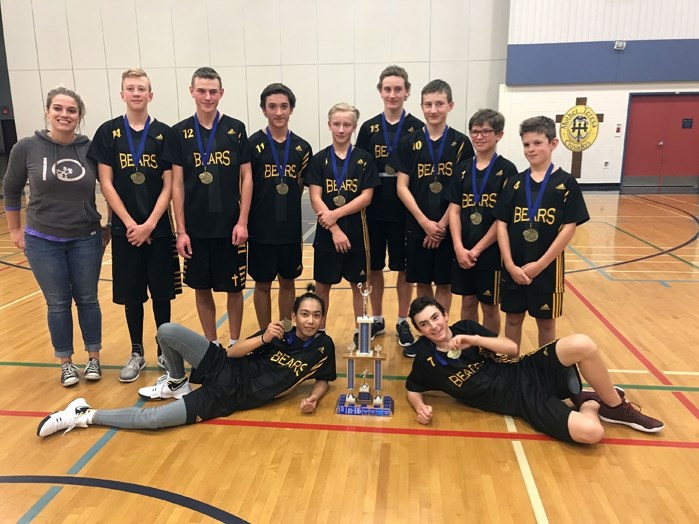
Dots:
(632, 284)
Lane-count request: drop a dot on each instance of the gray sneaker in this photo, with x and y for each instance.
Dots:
(161, 361)
(93, 371)
(132, 369)
(69, 374)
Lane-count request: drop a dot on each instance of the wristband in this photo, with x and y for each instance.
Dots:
(262, 338)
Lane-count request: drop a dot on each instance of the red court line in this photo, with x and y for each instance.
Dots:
(647, 363)
(500, 435)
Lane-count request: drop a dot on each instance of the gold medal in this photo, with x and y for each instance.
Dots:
(282, 188)
(390, 170)
(476, 218)
(138, 178)
(454, 353)
(339, 200)
(530, 235)
(206, 177)
(436, 187)
(286, 325)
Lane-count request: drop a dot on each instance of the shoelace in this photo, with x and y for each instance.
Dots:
(92, 366)
(67, 371)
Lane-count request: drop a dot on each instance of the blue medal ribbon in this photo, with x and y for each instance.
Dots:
(478, 192)
(281, 168)
(384, 127)
(136, 155)
(345, 163)
(291, 338)
(532, 210)
(442, 141)
(205, 154)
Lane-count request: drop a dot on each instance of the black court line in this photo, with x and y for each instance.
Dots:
(659, 253)
(128, 487)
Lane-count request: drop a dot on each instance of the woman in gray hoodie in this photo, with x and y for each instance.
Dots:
(62, 237)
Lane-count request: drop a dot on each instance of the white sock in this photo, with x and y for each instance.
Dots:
(89, 414)
(233, 341)
(401, 319)
(217, 342)
(378, 318)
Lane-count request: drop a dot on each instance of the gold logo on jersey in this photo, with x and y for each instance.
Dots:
(579, 127)
(284, 360)
(499, 173)
(453, 143)
(545, 307)
(159, 137)
(299, 148)
(360, 162)
(561, 187)
(230, 132)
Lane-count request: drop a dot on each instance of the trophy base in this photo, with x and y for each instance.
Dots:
(361, 407)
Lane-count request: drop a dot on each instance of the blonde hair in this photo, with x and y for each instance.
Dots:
(343, 107)
(134, 72)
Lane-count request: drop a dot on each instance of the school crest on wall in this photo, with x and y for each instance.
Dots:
(579, 127)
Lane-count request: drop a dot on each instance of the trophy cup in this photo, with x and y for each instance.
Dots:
(364, 403)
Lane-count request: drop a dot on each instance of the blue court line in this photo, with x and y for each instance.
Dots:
(96, 448)
(127, 487)
(589, 262)
(73, 470)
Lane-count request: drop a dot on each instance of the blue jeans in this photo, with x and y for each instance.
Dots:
(66, 271)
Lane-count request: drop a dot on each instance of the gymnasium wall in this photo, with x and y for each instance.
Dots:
(325, 50)
(569, 47)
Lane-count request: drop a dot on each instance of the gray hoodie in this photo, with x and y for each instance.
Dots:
(61, 186)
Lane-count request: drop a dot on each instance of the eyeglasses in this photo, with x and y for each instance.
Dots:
(485, 133)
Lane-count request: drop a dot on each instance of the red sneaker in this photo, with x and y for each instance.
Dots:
(630, 415)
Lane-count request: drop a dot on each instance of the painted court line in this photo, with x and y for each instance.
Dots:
(642, 358)
(25, 297)
(532, 491)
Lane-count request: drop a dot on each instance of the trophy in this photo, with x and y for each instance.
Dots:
(364, 403)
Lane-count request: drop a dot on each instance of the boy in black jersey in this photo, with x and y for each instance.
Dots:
(341, 182)
(485, 371)
(249, 374)
(279, 161)
(425, 163)
(537, 213)
(211, 193)
(475, 273)
(379, 136)
(136, 182)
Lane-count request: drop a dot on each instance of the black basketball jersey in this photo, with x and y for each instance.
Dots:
(413, 158)
(562, 203)
(462, 193)
(211, 210)
(361, 175)
(385, 205)
(275, 217)
(479, 377)
(111, 147)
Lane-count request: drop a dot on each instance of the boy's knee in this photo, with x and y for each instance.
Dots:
(582, 343)
(587, 431)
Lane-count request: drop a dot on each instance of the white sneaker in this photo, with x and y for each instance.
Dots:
(74, 415)
(165, 387)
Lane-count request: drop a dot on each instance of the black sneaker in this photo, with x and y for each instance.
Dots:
(378, 327)
(405, 336)
(410, 351)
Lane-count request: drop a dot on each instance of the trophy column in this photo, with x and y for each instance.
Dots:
(364, 403)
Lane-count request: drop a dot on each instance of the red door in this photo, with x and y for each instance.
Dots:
(662, 142)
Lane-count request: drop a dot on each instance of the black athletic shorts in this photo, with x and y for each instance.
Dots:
(216, 264)
(483, 283)
(539, 305)
(329, 267)
(221, 383)
(547, 383)
(383, 234)
(266, 261)
(427, 266)
(153, 267)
